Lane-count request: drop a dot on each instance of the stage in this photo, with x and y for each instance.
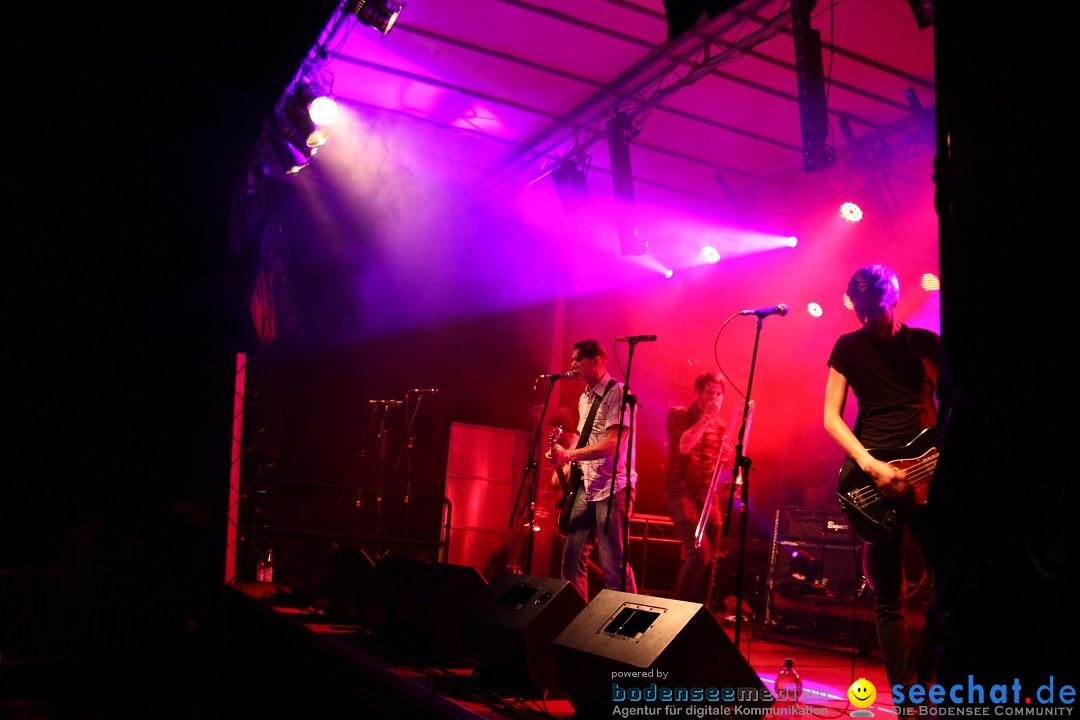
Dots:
(351, 670)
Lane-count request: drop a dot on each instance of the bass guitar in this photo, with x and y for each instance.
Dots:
(874, 517)
(570, 486)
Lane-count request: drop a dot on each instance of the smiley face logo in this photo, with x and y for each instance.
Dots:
(862, 693)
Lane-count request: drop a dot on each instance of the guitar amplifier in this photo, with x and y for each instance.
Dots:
(815, 524)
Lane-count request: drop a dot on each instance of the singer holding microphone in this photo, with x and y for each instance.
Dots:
(593, 463)
(696, 442)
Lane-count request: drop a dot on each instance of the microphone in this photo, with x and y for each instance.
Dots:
(780, 310)
(423, 391)
(637, 338)
(568, 375)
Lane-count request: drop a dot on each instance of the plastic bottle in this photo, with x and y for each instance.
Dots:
(788, 683)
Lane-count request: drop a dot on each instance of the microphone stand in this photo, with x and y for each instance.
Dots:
(379, 459)
(531, 471)
(630, 400)
(741, 469)
(406, 450)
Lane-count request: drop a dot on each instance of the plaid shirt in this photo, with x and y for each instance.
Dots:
(596, 474)
(689, 475)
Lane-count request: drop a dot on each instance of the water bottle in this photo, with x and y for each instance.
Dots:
(788, 683)
(264, 568)
(268, 576)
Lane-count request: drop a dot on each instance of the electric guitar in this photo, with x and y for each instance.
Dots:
(873, 516)
(570, 486)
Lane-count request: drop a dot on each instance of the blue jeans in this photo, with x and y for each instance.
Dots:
(585, 531)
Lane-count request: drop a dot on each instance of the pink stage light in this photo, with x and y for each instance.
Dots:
(710, 254)
(814, 309)
(930, 282)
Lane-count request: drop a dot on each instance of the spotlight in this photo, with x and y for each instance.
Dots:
(569, 178)
(292, 151)
(379, 14)
(323, 110)
(851, 212)
(291, 159)
(710, 254)
(311, 111)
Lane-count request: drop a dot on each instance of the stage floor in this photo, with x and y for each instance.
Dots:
(261, 656)
(390, 681)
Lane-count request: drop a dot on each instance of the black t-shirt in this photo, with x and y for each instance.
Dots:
(894, 380)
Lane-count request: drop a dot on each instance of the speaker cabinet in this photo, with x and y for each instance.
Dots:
(375, 597)
(510, 626)
(428, 607)
(632, 651)
(804, 569)
(327, 575)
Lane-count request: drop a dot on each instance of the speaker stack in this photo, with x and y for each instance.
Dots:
(815, 581)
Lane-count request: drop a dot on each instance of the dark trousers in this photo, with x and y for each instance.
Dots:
(904, 664)
(695, 575)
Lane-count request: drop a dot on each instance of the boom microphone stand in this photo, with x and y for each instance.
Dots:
(628, 400)
(741, 468)
(407, 445)
(529, 476)
(378, 462)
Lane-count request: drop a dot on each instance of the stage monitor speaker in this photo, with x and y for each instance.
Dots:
(349, 573)
(510, 626)
(381, 588)
(323, 574)
(427, 611)
(633, 651)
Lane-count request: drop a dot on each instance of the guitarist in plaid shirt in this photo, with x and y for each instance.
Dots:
(892, 371)
(596, 462)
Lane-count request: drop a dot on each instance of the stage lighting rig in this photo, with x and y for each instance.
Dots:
(379, 14)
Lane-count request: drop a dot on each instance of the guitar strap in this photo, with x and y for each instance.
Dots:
(586, 431)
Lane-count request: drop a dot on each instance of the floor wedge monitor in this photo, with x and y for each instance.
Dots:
(510, 626)
(626, 652)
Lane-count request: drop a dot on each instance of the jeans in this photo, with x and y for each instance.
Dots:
(586, 530)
